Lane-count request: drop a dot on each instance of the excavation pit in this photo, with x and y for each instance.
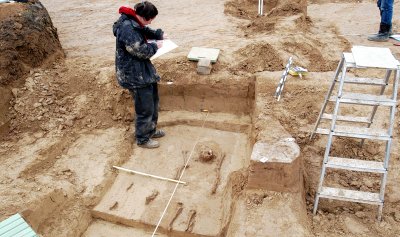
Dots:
(226, 167)
(201, 206)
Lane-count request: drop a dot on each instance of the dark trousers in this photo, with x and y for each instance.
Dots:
(386, 9)
(146, 102)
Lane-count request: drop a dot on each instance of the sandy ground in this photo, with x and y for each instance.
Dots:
(70, 122)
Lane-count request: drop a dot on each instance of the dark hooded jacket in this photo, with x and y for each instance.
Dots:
(132, 57)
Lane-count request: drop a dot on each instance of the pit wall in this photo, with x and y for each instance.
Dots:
(63, 207)
(60, 213)
(275, 164)
(234, 96)
(274, 190)
(58, 207)
(5, 98)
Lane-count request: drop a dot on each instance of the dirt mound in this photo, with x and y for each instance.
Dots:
(182, 71)
(289, 33)
(312, 53)
(289, 8)
(258, 57)
(273, 10)
(171, 70)
(27, 39)
(247, 9)
(44, 104)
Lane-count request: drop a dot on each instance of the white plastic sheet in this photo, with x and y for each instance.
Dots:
(374, 57)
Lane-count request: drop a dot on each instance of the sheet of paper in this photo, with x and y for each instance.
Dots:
(168, 45)
(396, 37)
(375, 57)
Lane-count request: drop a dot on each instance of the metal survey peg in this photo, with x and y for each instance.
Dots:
(282, 81)
(353, 164)
(260, 7)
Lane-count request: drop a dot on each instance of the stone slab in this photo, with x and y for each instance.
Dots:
(196, 53)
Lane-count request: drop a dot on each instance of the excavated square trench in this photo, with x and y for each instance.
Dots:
(219, 145)
(200, 206)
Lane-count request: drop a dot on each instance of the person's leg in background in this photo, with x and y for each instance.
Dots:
(385, 27)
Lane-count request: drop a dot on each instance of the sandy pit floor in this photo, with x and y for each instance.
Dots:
(68, 123)
(196, 206)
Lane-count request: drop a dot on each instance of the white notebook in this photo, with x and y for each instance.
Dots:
(168, 45)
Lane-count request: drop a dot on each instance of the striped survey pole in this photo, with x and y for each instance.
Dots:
(281, 84)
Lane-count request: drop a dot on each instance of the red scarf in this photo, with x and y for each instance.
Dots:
(130, 12)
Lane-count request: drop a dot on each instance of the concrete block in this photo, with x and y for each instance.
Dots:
(204, 66)
(275, 166)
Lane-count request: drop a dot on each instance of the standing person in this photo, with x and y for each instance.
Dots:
(134, 70)
(385, 27)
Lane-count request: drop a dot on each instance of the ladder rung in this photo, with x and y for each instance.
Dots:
(350, 195)
(357, 132)
(356, 165)
(347, 118)
(366, 81)
(365, 99)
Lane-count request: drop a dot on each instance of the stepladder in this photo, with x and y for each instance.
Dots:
(357, 108)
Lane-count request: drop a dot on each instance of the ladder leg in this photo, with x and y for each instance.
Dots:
(375, 108)
(316, 204)
(330, 137)
(321, 181)
(390, 130)
(380, 209)
(388, 144)
(382, 195)
(328, 95)
(384, 178)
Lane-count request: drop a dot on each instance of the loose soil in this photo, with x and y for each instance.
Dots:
(66, 123)
(28, 39)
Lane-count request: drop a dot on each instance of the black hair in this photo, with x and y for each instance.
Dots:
(146, 10)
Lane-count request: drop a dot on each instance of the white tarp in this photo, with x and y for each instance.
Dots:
(396, 37)
(374, 57)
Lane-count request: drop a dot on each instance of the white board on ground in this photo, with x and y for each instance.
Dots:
(396, 37)
(168, 45)
(197, 52)
(375, 57)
